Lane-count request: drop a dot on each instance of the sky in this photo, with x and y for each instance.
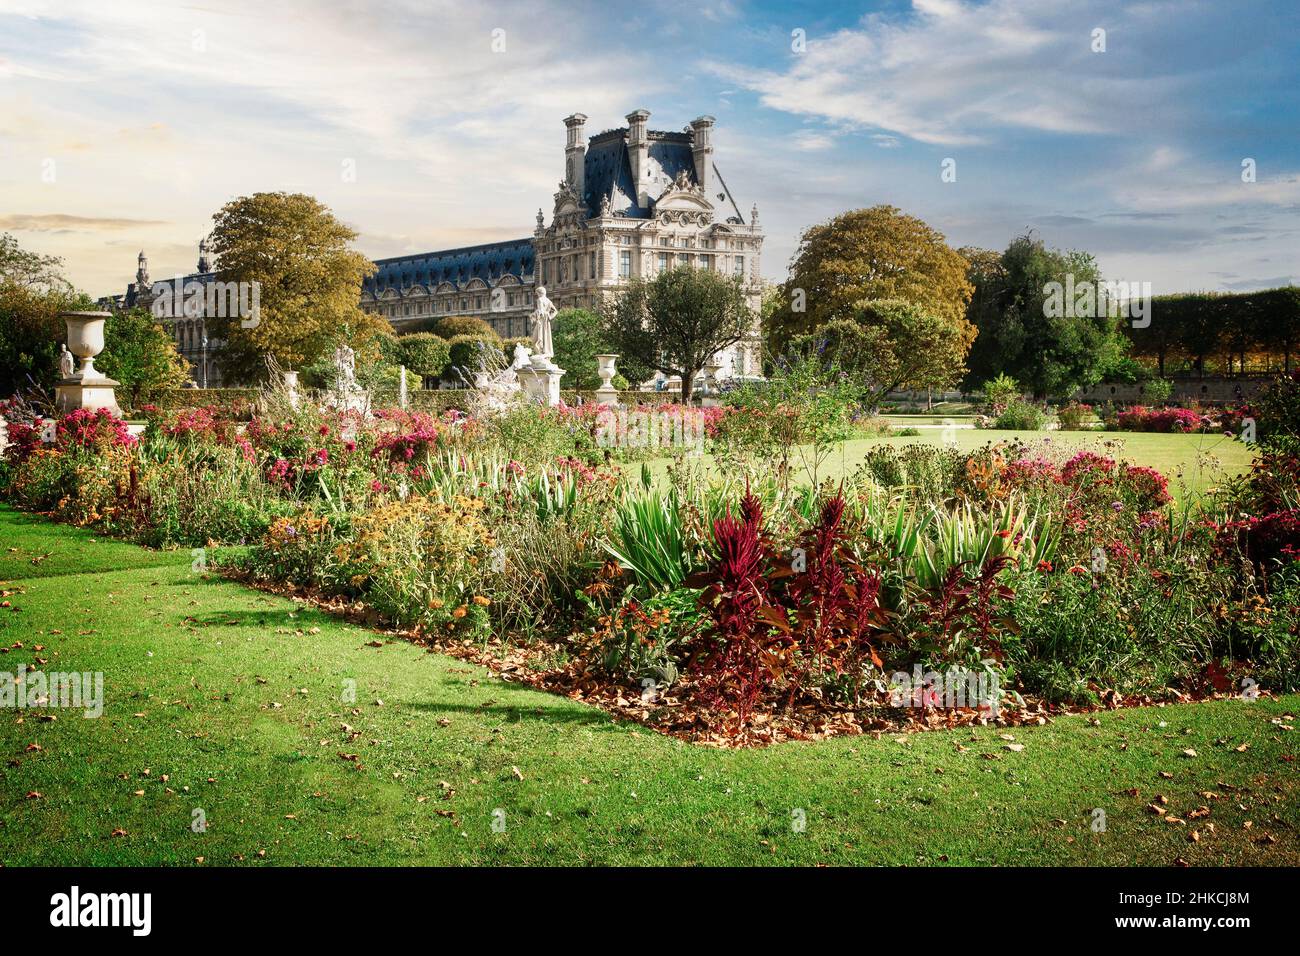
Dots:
(1162, 137)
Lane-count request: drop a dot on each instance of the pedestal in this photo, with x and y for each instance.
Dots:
(607, 396)
(541, 381)
(92, 393)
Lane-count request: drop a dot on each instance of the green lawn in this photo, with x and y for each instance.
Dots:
(1193, 463)
(230, 701)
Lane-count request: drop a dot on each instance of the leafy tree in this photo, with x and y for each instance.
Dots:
(30, 269)
(677, 321)
(33, 292)
(1020, 335)
(424, 353)
(309, 280)
(864, 254)
(579, 338)
(886, 345)
(140, 355)
(30, 334)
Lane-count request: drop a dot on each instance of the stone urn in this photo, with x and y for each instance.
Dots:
(86, 387)
(709, 393)
(607, 394)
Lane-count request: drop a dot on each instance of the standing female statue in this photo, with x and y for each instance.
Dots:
(543, 312)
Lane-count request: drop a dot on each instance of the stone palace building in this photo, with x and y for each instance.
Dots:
(633, 202)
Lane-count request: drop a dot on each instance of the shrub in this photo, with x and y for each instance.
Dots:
(420, 561)
(1278, 425)
(998, 393)
(467, 352)
(1158, 390)
(1075, 416)
(1020, 416)
(1139, 418)
(456, 325)
(919, 472)
(424, 353)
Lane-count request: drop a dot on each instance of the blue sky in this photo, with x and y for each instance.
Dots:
(125, 125)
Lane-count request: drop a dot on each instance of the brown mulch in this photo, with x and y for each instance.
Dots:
(675, 714)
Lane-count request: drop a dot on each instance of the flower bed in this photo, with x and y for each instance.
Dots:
(930, 587)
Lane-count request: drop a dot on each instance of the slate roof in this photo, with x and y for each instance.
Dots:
(608, 171)
(488, 262)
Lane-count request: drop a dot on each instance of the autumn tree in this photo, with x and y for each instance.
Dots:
(677, 321)
(308, 282)
(870, 254)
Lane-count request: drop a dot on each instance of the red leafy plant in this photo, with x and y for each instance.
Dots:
(961, 623)
(781, 622)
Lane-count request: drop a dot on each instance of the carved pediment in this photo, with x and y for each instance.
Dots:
(684, 202)
(567, 202)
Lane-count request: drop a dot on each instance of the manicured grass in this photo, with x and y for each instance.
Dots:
(1193, 463)
(33, 547)
(227, 700)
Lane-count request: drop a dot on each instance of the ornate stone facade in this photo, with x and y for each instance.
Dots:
(633, 202)
(186, 323)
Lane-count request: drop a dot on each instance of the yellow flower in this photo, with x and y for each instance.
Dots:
(481, 601)
(459, 612)
(435, 603)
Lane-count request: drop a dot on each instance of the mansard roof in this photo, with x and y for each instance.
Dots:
(608, 172)
(459, 267)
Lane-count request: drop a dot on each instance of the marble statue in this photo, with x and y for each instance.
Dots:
(67, 364)
(543, 313)
(345, 362)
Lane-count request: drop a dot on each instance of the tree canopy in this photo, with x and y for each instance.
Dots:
(141, 356)
(1020, 334)
(309, 282)
(676, 321)
(866, 254)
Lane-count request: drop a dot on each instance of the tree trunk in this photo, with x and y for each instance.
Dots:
(688, 385)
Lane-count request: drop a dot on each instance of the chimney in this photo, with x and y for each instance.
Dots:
(638, 150)
(575, 154)
(702, 151)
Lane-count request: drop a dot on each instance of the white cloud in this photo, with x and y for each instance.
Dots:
(957, 72)
(179, 109)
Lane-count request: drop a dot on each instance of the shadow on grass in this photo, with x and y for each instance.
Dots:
(561, 712)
